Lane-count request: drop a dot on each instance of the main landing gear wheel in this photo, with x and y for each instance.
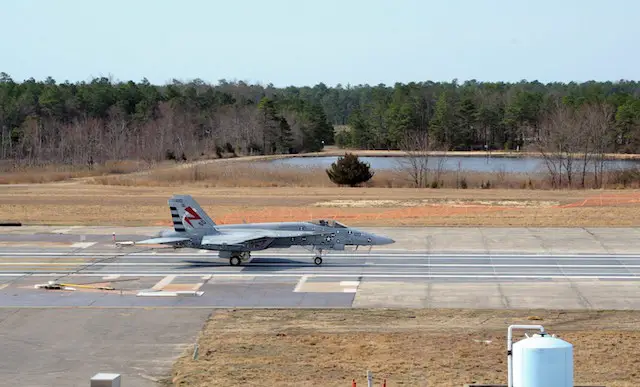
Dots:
(235, 261)
(318, 261)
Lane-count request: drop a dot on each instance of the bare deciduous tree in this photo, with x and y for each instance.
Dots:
(574, 139)
(597, 120)
(417, 145)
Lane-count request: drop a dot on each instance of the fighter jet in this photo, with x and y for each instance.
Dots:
(193, 228)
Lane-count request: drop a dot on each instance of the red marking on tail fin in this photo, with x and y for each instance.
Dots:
(194, 215)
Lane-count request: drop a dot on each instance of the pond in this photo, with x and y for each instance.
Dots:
(449, 163)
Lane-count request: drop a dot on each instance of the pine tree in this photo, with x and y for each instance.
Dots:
(286, 138)
(349, 170)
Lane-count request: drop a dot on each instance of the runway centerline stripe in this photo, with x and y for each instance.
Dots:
(332, 275)
(306, 257)
(364, 265)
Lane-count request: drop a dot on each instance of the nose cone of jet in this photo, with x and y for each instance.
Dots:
(381, 240)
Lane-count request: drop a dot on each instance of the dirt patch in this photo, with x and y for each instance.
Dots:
(406, 347)
(436, 202)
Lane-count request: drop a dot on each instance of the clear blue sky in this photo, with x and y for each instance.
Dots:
(303, 42)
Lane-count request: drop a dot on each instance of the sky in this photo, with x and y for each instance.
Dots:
(305, 42)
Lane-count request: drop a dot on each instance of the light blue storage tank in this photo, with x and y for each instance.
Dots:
(542, 361)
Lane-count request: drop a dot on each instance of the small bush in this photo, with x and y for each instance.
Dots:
(349, 170)
(626, 177)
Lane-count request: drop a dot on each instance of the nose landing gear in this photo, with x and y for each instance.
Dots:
(318, 259)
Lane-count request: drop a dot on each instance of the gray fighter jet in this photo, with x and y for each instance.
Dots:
(193, 228)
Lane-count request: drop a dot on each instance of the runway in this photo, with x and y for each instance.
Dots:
(392, 277)
(426, 266)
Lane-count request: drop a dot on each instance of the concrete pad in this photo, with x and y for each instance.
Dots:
(545, 295)
(500, 240)
(480, 295)
(454, 239)
(378, 294)
(66, 347)
(617, 240)
(568, 240)
(618, 295)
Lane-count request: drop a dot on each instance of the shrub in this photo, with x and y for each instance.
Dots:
(349, 170)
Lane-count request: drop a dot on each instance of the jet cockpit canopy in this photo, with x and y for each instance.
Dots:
(328, 223)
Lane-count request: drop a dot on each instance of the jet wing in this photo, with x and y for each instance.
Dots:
(237, 237)
(160, 241)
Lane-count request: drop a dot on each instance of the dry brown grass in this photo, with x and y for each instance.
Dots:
(23, 174)
(252, 171)
(407, 347)
(249, 173)
(226, 175)
(246, 175)
(78, 203)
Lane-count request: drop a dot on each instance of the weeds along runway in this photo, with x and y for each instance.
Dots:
(99, 274)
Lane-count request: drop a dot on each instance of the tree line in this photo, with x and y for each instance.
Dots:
(47, 121)
(471, 115)
(101, 120)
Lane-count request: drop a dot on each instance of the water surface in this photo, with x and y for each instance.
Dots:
(450, 163)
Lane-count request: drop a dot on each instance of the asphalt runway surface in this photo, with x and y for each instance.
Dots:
(387, 277)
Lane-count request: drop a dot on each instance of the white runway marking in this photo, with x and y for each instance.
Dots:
(82, 245)
(144, 293)
(164, 282)
(300, 284)
(64, 230)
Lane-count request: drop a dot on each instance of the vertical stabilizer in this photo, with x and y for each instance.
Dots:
(187, 215)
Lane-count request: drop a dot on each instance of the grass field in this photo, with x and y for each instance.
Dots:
(87, 204)
(21, 174)
(405, 347)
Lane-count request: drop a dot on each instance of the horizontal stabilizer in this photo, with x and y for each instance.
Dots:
(159, 241)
